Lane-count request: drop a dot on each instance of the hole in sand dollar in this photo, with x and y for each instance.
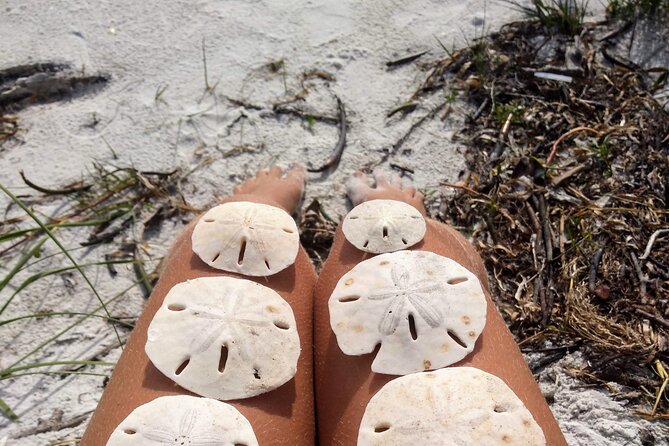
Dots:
(182, 367)
(352, 298)
(223, 358)
(405, 241)
(282, 325)
(209, 220)
(457, 339)
(242, 251)
(216, 257)
(412, 327)
(130, 431)
(176, 307)
(354, 217)
(457, 280)
(256, 373)
(385, 231)
(288, 230)
(267, 264)
(381, 427)
(365, 244)
(499, 408)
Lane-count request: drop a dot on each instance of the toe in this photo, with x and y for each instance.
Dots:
(380, 178)
(296, 172)
(410, 190)
(357, 188)
(396, 180)
(275, 172)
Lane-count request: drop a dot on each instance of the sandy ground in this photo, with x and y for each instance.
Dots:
(157, 114)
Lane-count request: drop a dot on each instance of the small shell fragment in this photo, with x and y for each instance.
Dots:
(224, 338)
(248, 238)
(379, 226)
(424, 309)
(454, 406)
(184, 420)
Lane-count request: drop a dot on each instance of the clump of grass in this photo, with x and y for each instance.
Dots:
(557, 16)
(631, 9)
(114, 202)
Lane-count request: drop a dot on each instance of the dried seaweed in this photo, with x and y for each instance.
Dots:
(567, 195)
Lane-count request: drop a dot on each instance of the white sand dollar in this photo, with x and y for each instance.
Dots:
(248, 238)
(449, 407)
(224, 338)
(184, 420)
(424, 309)
(380, 226)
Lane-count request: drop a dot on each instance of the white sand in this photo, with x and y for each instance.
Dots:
(150, 45)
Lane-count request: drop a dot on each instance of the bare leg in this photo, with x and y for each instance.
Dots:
(344, 384)
(284, 416)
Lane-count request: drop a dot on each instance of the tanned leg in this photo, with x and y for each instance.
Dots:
(344, 384)
(284, 416)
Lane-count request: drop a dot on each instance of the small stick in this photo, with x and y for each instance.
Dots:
(415, 125)
(651, 242)
(48, 191)
(405, 60)
(333, 161)
(204, 61)
(566, 135)
(657, 319)
(401, 168)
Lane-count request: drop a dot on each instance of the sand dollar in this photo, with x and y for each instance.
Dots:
(184, 420)
(449, 407)
(224, 338)
(380, 226)
(424, 309)
(248, 238)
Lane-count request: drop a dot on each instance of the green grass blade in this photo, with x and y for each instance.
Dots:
(48, 232)
(53, 372)
(22, 261)
(64, 313)
(9, 413)
(71, 326)
(35, 277)
(9, 371)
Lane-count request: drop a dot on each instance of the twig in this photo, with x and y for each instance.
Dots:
(333, 161)
(651, 316)
(401, 168)
(47, 191)
(400, 142)
(53, 425)
(651, 242)
(204, 62)
(405, 60)
(566, 135)
(407, 107)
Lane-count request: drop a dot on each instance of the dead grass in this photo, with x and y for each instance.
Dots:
(568, 184)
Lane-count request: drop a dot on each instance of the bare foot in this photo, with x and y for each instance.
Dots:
(283, 188)
(358, 190)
